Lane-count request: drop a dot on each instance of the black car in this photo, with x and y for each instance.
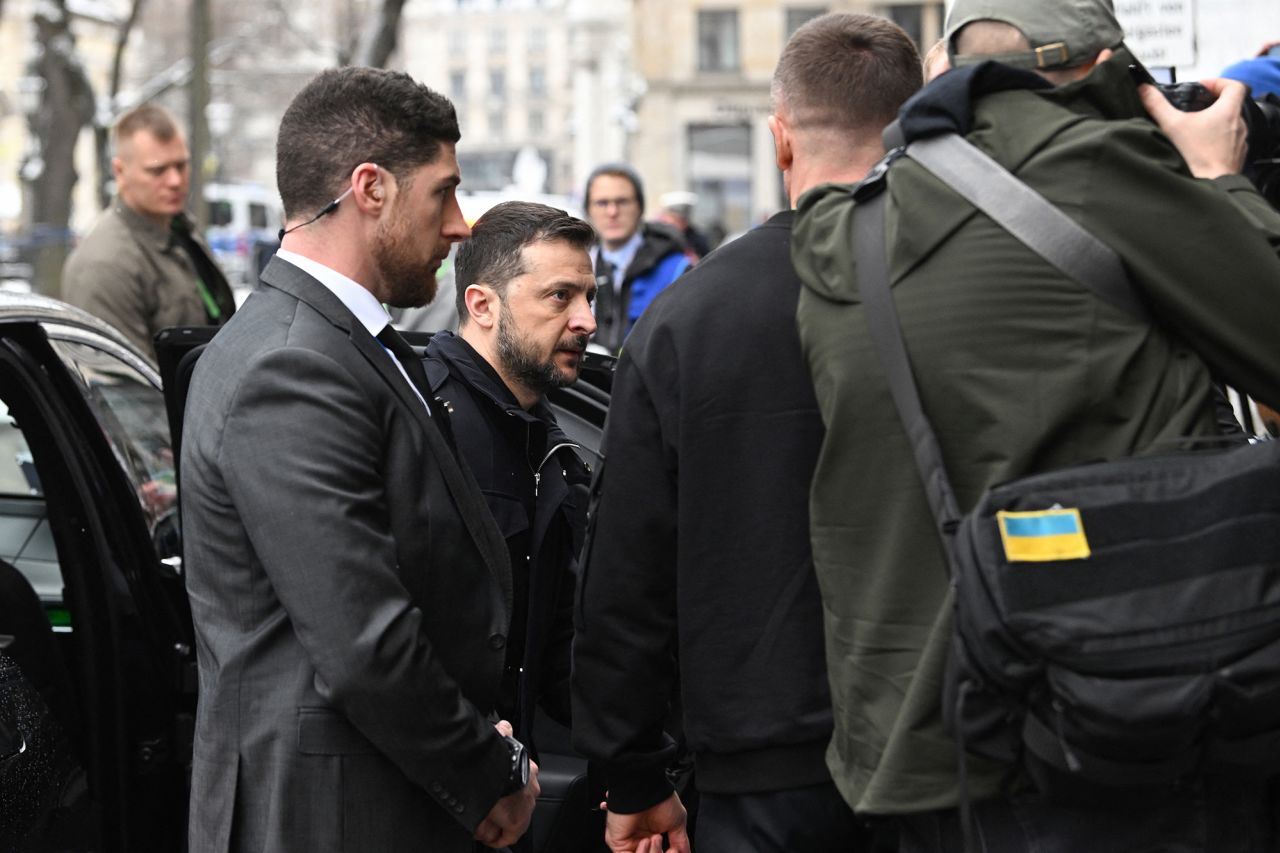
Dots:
(97, 660)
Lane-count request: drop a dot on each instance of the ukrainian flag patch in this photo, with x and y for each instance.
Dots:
(1043, 536)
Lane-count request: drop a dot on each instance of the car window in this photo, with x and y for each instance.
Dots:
(130, 410)
(25, 539)
(17, 473)
(219, 213)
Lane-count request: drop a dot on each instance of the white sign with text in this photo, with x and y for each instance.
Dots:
(1161, 33)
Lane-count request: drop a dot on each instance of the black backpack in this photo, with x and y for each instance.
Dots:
(1117, 625)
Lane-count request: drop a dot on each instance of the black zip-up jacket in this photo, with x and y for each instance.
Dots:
(699, 549)
(536, 486)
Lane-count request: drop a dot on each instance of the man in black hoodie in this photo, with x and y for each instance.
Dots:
(524, 290)
(700, 546)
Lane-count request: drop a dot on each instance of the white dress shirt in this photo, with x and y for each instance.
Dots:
(620, 257)
(359, 301)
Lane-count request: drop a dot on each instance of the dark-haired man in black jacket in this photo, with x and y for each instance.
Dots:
(524, 286)
(700, 546)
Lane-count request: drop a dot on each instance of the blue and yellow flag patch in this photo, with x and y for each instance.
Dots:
(1043, 536)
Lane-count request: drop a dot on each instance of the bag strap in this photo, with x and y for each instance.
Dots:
(1031, 218)
(1013, 205)
(886, 334)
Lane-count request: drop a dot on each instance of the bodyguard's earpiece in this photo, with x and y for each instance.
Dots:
(330, 207)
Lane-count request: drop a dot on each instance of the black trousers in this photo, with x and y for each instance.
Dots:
(813, 819)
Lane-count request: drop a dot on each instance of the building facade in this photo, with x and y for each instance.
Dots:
(707, 65)
(509, 68)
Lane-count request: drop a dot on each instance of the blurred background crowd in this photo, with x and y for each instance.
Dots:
(545, 89)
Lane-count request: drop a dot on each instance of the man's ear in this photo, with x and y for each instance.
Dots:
(370, 188)
(117, 168)
(482, 305)
(782, 146)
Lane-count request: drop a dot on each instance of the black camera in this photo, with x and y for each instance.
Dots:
(1261, 117)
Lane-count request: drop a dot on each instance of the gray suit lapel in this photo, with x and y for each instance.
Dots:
(457, 477)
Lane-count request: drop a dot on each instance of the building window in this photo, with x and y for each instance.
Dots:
(537, 81)
(497, 123)
(537, 40)
(537, 123)
(497, 40)
(718, 40)
(719, 171)
(458, 41)
(458, 84)
(922, 21)
(907, 17)
(798, 16)
(498, 83)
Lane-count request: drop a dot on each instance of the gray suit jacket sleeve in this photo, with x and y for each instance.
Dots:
(330, 559)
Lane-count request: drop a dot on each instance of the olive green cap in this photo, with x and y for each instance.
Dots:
(1062, 33)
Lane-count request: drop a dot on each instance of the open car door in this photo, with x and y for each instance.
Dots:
(97, 682)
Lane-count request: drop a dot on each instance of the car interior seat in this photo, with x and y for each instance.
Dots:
(44, 796)
(30, 643)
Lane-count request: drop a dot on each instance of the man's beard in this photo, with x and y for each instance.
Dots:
(522, 364)
(410, 282)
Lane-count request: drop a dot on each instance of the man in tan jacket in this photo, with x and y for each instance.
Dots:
(142, 267)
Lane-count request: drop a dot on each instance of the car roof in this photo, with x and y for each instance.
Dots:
(31, 307)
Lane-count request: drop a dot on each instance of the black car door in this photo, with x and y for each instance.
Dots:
(98, 667)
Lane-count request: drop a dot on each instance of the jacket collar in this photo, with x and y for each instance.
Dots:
(283, 275)
(622, 256)
(946, 104)
(357, 299)
(448, 352)
(160, 236)
(659, 242)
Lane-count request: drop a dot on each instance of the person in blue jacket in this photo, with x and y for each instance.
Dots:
(1260, 73)
(634, 260)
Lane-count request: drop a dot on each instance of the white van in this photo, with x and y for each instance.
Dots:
(243, 221)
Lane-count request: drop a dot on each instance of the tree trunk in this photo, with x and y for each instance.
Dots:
(102, 130)
(49, 173)
(197, 104)
(379, 39)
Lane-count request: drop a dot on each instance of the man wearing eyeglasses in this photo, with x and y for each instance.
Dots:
(634, 260)
(143, 267)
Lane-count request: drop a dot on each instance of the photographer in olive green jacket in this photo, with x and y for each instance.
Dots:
(143, 267)
(1020, 370)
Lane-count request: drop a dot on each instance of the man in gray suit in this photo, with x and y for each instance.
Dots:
(350, 591)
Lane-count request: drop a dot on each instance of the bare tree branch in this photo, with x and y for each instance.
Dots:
(122, 41)
(379, 39)
(102, 128)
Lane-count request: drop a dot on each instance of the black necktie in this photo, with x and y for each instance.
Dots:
(606, 304)
(412, 364)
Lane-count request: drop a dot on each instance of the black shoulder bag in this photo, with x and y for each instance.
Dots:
(1117, 625)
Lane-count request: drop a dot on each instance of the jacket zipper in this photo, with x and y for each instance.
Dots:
(537, 473)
